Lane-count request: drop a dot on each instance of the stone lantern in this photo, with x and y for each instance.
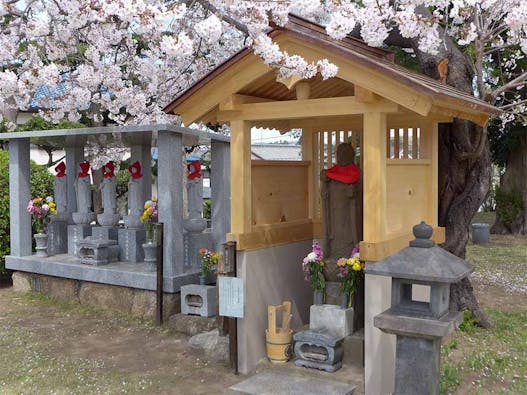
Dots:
(419, 322)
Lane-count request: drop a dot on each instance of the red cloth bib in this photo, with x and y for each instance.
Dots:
(346, 174)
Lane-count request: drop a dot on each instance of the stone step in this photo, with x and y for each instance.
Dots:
(272, 383)
(191, 324)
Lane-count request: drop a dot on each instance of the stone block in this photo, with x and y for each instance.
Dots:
(190, 324)
(21, 282)
(97, 252)
(105, 232)
(131, 245)
(77, 233)
(192, 242)
(318, 350)
(107, 296)
(331, 319)
(57, 237)
(59, 288)
(216, 347)
(198, 300)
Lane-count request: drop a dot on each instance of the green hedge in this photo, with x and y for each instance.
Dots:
(41, 185)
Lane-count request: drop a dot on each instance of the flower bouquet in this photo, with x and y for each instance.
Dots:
(149, 217)
(351, 272)
(312, 267)
(41, 210)
(208, 259)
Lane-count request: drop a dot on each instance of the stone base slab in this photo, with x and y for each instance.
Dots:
(136, 302)
(331, 319)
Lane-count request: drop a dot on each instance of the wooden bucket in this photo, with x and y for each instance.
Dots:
(278, 340)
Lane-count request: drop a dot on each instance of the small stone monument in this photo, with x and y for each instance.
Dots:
(58, 227)
(83, 216)
(97, 252)
(133, 236)
(419, 324)
(109, 218)
(198, 300)
(195, 224)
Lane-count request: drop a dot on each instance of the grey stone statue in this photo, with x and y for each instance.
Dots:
(84, 215)
(109, 217)
(135, 205)
(341, 210)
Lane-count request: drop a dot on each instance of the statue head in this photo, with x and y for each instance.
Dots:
(345, 154)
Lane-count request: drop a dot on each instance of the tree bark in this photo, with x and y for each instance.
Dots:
(464, 173)
(513, 182)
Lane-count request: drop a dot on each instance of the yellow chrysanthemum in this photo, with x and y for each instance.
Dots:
(357, 266)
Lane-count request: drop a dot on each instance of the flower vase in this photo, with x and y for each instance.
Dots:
(41, 240)
(344, 300)
(202, 280)
(150, 250)
(318, 297)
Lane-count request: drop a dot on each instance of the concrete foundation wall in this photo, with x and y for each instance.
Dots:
(270, 276)
(379, 347)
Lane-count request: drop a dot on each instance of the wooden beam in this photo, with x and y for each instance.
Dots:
(241, 195)
(374, 165)
(373, 252)
(307, 155)
(302, 90)
(233, 101)
(364, 95)
(293, 109)
(478, 118)
(291, 81)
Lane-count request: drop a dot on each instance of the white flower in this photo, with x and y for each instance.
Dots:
(311, 257)
(49, 199)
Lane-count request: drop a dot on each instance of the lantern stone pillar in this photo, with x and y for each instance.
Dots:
(74, 148)
(19, 195)
(220, 192)
(170, 204)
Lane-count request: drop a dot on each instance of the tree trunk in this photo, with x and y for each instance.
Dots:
(511, 199)
(464, 173)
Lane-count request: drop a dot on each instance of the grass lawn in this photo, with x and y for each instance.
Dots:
(479, 361)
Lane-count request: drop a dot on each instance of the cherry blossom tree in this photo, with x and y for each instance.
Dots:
(123, 60)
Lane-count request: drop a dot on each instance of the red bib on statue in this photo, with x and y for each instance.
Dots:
(346, 174)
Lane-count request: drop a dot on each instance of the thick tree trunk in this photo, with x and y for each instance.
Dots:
(511, 209)
(464, 173)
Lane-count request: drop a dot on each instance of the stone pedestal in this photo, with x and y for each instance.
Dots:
(131, 245)
(192, 242)
(57, 237)
(331, 319)
(150, 251)
(198, 300)
(98, 252)
(418, 358)
(77, 233)
(105, 232)
(318, 350)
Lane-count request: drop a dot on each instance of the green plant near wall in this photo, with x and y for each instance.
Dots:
(509, 205)
(41, 185)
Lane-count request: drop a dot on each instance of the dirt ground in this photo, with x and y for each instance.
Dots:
(61, 348)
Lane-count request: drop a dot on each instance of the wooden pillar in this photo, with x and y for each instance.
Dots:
(429, 148)
(170, 207)
(308, 155)
(374, 176)
(19, 195)
(241, 194)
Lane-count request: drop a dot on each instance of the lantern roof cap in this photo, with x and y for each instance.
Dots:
(423, 260)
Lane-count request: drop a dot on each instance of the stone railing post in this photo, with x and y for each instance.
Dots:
(19, 195)
(220, 192)
(170, 206)
(74, 148)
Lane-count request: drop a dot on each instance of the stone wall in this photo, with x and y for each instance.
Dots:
(137, 302)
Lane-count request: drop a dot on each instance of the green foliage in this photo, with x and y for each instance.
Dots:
(41, 185)
(450, 378)
(207, 209)
(406, 59)
(122, 178)
(469, 321)
(504, 140)
(39, 123)
(509, 205)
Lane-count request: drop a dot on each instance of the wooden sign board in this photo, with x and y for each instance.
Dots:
(230, 293)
